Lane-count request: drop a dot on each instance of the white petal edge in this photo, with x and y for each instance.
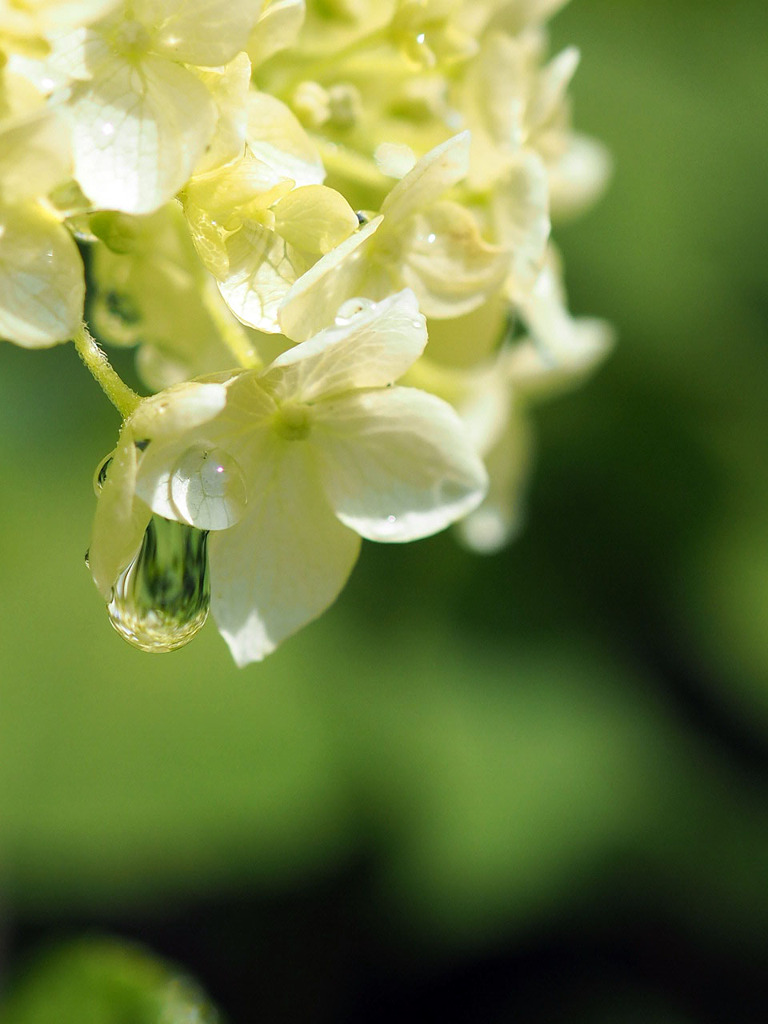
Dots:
(397, 463)
(282, 565)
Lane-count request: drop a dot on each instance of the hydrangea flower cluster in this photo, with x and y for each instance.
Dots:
(325, 226)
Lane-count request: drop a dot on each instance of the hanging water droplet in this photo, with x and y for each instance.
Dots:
(100, 476)
(207, 488)
(87, 559)
(350, 309)
(161, 600)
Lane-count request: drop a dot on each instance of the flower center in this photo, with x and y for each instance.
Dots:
(131, 39)
(293, 421)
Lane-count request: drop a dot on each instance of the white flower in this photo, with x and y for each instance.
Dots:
(141, 118)
(42, 288)
(419, 241)
(314, 452)
(513, 103)
(494, 397)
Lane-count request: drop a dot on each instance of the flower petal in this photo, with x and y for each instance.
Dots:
(397, 463)
(284, 563)
(139, 129)
(370, 349)
(312, 302)
(275, 136)
(208, 32)
(500, 517)
(276, 29)
(172, 477)
(34, 155)
(520, 205)
(42, 287)
(314, 218)
(262, 266)
(447, 263)
(120, 519)
(436, 172)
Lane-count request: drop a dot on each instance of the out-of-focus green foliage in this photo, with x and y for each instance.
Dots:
(500, 735)
(104, 982)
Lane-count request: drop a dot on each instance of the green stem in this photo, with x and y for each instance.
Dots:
(229, 329)
(117, 391)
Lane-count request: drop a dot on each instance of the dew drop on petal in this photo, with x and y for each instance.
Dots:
(161, 600)
(350, 309)
(207, 488)
(100, 476)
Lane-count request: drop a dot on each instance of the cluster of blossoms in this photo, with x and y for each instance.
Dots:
(325, 227)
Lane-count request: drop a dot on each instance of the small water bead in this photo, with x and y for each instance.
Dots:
(350, 309)
(207, 488)
(100, 476)
(161, 600)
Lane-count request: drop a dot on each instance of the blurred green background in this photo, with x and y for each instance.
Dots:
(532, 787)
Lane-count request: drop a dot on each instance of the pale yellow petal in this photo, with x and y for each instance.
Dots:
(284, 563)
(397, 463)
(313, 301)
(441, 168)
(42, 287)
(315, 218)
(262, 268)
(369, 346)
(447, 263)
(139, 129)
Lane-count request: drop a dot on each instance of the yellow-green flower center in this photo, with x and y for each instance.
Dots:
(293, 421)
(131, 39)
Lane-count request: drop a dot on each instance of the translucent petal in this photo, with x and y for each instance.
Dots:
(441, 168)
(30, 20)
(234, 433)
(396, 463)
(276, 29)
(315, 218)
(313, 301)
(278, 140)
(500, 516)
(369, 350)
(578, 176)
(284, 563)
(42, 287)
(228, 87)
(120, 520)
(121, 513)
(139, 129)
(208, 32)
(520, 205)
(447, 263)
(176, 411)
(561, 349)
(262, 268)
(552, 85)
(34, 156)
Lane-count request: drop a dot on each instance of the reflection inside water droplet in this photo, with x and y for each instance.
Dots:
(207, 488)
(350, 309)
(100, 476)
(160, 601)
